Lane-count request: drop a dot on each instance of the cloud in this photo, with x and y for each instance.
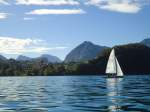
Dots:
(124, 6)
(3, 15)
(4, 2)
(56, 11)
(11, 45)
(47, 2)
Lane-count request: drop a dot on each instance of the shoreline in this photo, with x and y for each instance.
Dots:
(75, 75)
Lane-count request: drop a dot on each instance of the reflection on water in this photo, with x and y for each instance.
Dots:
(114, 86)
(75, 94)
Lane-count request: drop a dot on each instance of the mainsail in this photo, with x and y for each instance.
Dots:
(113, 66)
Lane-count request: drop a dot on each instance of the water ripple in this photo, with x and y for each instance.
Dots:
(75, 94)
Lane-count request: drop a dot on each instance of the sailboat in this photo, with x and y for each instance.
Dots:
(113, 68)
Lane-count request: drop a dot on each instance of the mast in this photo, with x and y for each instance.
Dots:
(116, 67)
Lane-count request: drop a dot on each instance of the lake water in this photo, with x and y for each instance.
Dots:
(75, 94)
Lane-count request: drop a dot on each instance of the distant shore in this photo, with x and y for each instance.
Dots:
(133, 59)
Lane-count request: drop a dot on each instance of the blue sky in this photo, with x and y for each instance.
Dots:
(35, 27)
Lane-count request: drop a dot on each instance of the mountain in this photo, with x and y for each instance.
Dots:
(133, 59)
(146, 42)
(2, 58)
(45, 57)
(50, 58)
(23, 58)
(85, 51)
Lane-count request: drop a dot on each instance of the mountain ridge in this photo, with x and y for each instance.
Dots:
(45, 57)
(3, 58)
(84, 52)
(51, 58)
(23, 58)
(146, 42)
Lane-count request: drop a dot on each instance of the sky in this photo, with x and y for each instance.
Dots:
(35, 27)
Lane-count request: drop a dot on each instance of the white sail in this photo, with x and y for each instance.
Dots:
(111, 65)
(119, 71)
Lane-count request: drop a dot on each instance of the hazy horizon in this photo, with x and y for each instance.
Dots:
(36, 27)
